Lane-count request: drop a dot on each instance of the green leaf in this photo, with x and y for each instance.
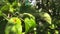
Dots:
(14, 20)
(1, 14)
(29, 23)
(53, 26)
(56, 32)
(45, 16)
(11, 9)
(13, 26)
(30, 15)
(4, 8)
(16, 4)
(49, 32)
(13, 29)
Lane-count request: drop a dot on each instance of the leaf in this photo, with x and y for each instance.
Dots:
(13, 29)
(49, 32)
(14, 20)
(1, 14)
(45, 16)
(30, 15)
(16, 4)
(4, 8)
(29, 23)
(53, 26)
(11, 9)
(13, 26)
(56, 32)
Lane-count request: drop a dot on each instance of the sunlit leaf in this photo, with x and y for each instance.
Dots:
(46, 17)
(56, 32)
(11, 9)
(13, 26)
(29, 22)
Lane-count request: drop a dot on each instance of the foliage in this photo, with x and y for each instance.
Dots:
(24, 17)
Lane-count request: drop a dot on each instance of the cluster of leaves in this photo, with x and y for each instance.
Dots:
(20, 17)
(15, 16)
